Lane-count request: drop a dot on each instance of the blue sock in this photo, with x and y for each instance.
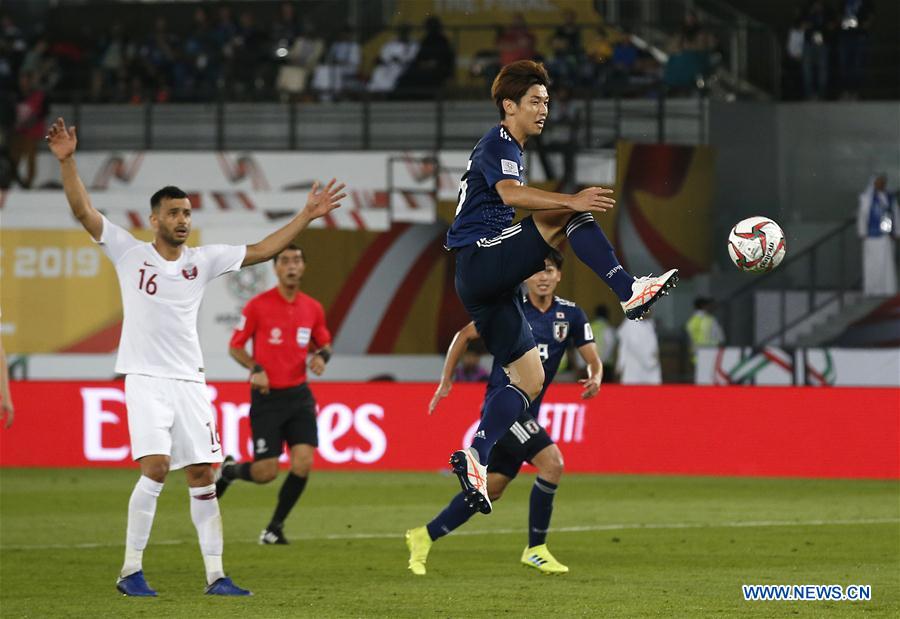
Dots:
(454, 516)
(500, 412)
(539, 511)
(594, 249)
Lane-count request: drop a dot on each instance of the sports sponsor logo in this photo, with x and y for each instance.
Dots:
(509, 167)
(383, 426)
(613, 270)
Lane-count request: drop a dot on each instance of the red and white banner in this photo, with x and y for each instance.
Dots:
(764, 431)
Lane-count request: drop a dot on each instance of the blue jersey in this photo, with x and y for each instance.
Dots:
(564, 323)
(480, 212)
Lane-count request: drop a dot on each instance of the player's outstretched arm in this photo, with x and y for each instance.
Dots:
(63, 141)
(592, 383)
(6, 406)
(594, 199)
(457, 348)
(318, 203)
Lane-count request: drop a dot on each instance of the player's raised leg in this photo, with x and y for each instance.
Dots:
(592, 247)
(549, 464)
(141, 511)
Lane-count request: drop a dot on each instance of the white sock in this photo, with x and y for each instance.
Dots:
(208, 521)
(141, 509)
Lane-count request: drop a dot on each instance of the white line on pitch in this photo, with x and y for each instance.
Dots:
(748, 524)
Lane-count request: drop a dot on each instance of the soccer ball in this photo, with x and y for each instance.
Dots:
(756, 244)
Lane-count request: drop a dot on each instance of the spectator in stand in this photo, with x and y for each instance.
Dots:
(818, 23)
(568, 54)
(516, 42)
(30, 127)
(793, 59)
(702, 328)
(434, 64)
(225, 29)
(287, 27)
(249, 57)
(878, 223)
(689, 61)
(339, 70)
(853, 44)
(637, 361)
(302, 58)
(157, 55)
(116, 54)
(393, 59)
(202, 58)
(469, 369)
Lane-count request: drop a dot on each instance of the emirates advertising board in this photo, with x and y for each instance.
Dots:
(743, 431)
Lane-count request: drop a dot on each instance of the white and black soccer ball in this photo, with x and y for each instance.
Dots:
(756, 244)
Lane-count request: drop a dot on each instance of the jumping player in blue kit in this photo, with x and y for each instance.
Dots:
(493, 258)
(556, 324)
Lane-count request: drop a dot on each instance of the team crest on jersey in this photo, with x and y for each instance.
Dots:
(275, 336)
(189, 271)
(560, 331)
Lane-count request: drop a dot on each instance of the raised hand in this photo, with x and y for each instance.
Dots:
(320, 203)
(595, 199)
(62, 140)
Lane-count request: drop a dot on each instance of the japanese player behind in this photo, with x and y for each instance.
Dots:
(171, 420)
(493, 257)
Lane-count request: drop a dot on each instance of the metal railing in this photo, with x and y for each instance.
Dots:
(587, 123)
(825, 272)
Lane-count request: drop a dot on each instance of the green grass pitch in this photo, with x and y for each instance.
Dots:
(636, 546)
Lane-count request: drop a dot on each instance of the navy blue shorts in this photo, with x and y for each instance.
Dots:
(489, 274)
(525, 439)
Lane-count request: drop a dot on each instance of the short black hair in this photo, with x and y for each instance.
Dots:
(556, 258)
(702, 303)
(169, 192)
(291, 247)
(601, 312)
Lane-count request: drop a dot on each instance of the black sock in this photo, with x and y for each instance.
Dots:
(290, 491)
(238, 471)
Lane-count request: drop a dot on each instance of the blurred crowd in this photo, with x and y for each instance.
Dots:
(609, 61)
(827, 49)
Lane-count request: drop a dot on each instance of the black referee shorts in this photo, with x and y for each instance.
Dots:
(282, 416)
(488, 276)
(526, 439)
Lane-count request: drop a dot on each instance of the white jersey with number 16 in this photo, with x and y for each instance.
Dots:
(160, 300)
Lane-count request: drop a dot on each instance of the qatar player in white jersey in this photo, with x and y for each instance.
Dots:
(171, 420)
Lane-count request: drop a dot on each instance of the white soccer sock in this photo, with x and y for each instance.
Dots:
(141, 509)
(208, 521)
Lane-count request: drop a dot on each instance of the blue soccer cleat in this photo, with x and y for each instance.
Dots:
(224, 586)
(134, 585)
